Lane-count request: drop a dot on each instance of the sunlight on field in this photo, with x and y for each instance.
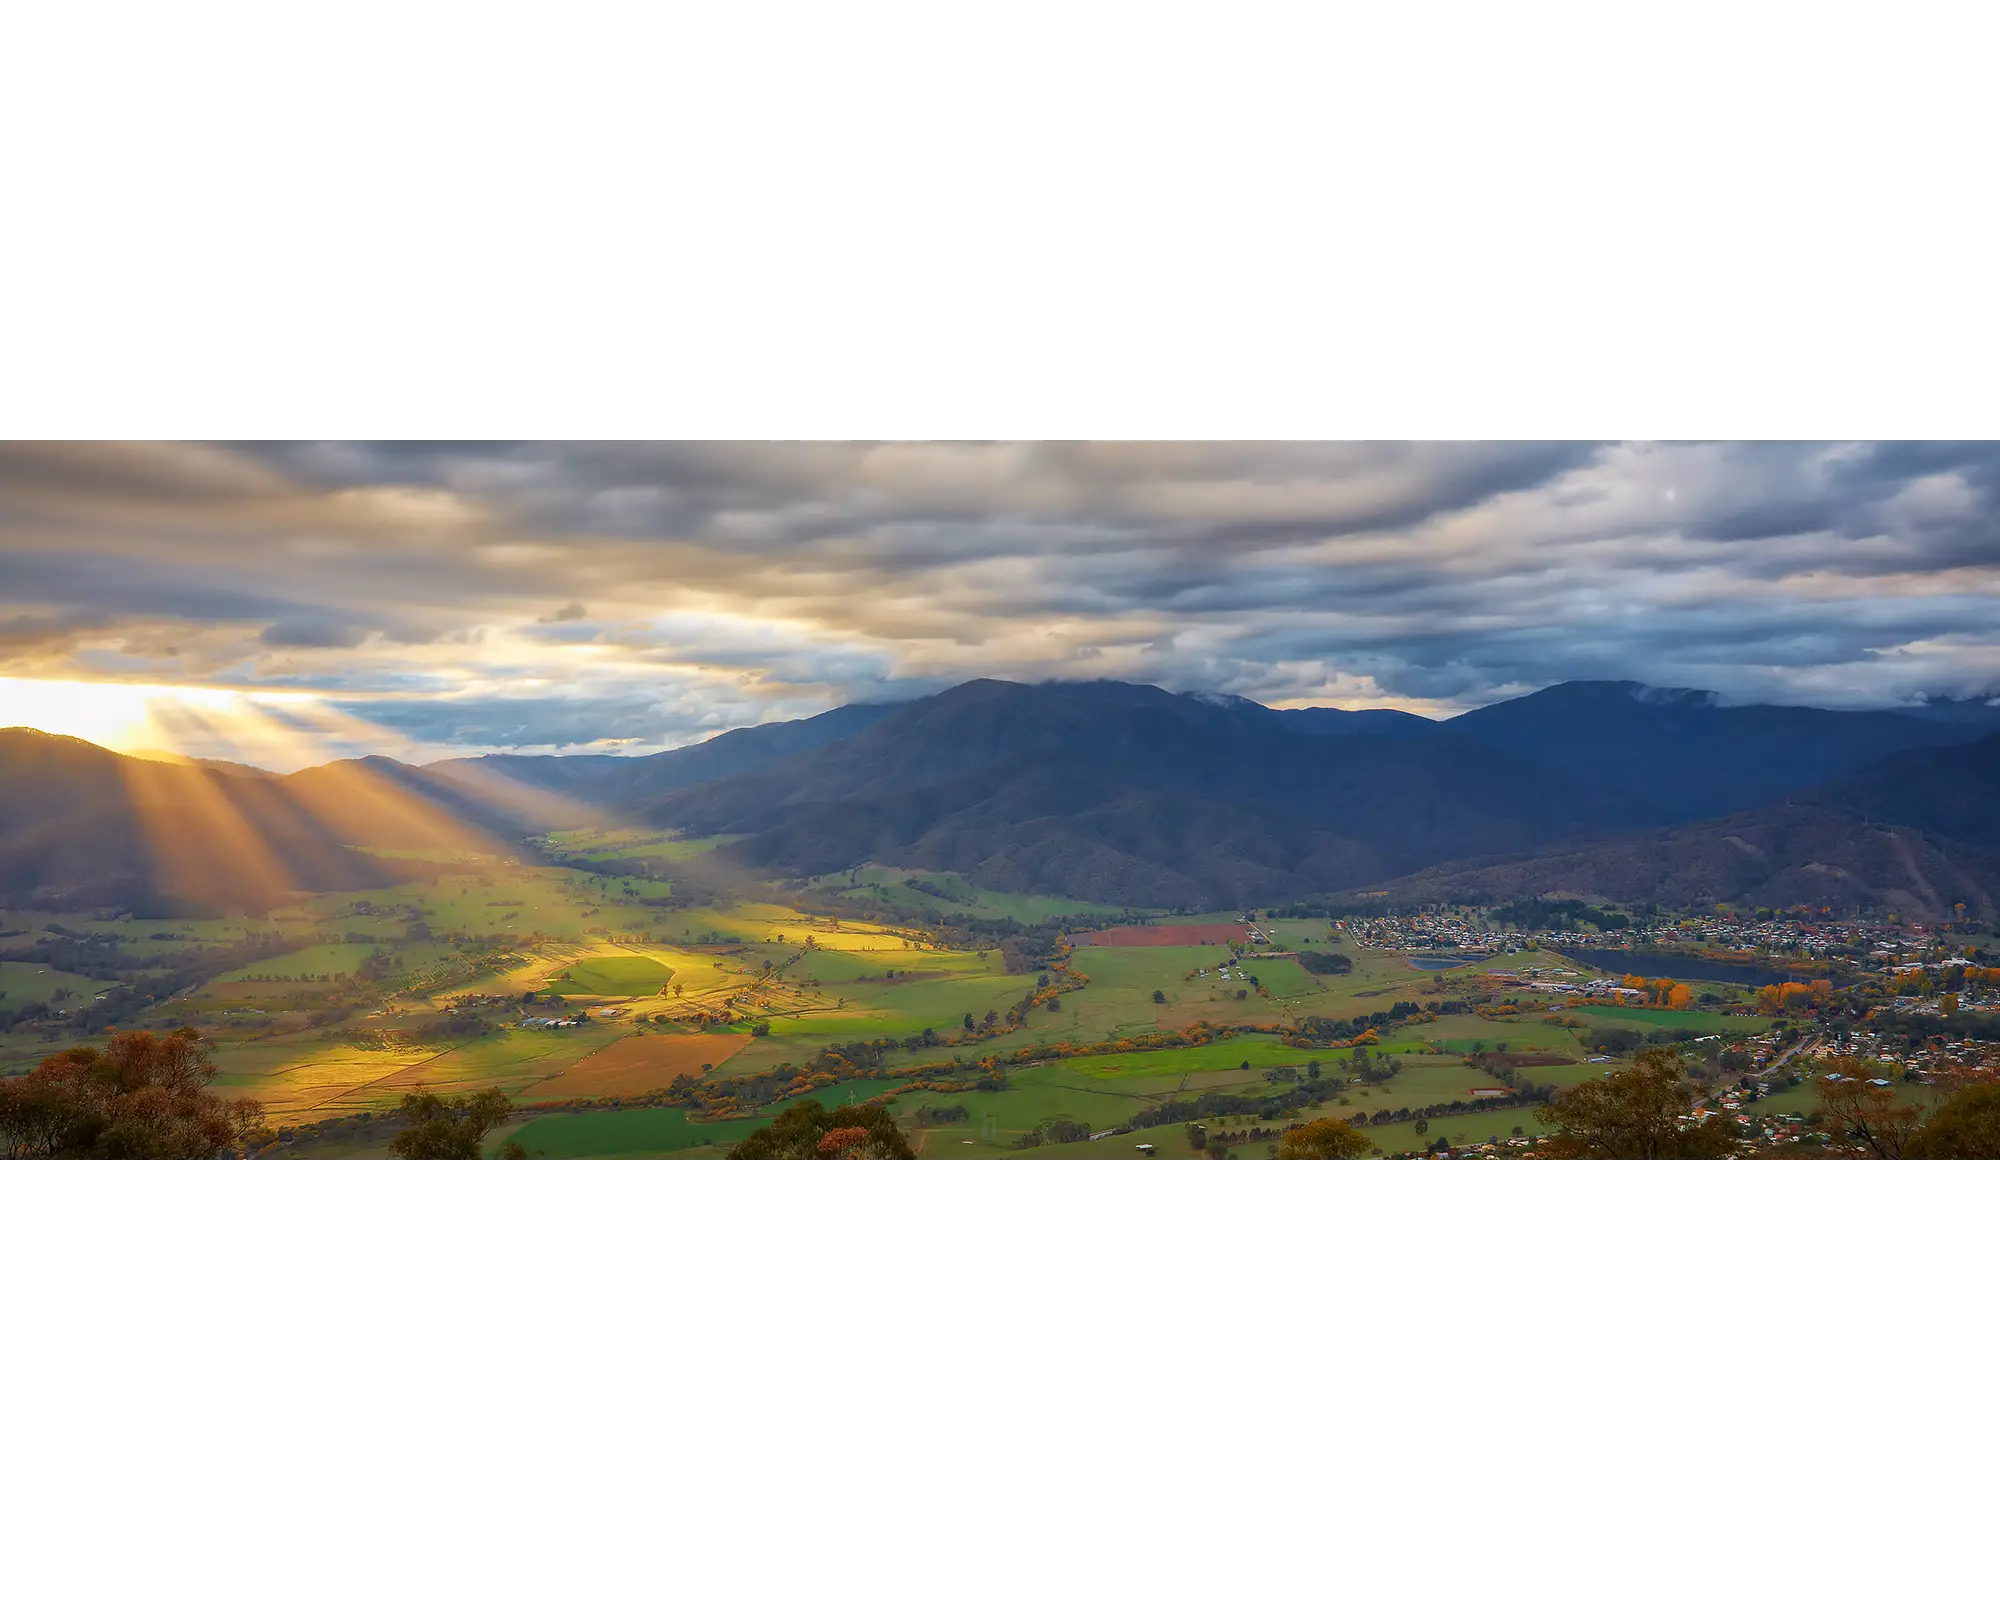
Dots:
(634, 1066)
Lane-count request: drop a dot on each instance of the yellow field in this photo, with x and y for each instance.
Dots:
(296, 1088)
(635, 1066)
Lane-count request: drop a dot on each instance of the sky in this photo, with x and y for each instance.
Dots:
(425, 599)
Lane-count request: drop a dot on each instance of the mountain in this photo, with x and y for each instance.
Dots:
(1128, 794)
(382, 804)
(1953, 793)
(1939, 708)
(1326, 722)
(1680, 754)
(608, 784)
(81, 826)
(1113, 792)
(1778, 856)
(1912, 832)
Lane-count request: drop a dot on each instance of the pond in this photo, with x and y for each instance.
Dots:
(1439, 963)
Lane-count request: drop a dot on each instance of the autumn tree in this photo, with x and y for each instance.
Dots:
(1865, 1116)
(810, 1132)
(1965, 1128)
(1327, 1139)
(449, 1130)
(1634, 1115)
(144, 1096)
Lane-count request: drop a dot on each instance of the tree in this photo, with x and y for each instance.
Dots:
(1328, 1139)
(1159, 997)
(145, 1096)
(1422, 1125)
(449, 1130)
(810, 1132)
(1864, 1114)
(1965, 1128)
(1634, 1115)
(968, 1022)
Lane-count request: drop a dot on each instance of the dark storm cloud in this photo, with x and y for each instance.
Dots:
(560, 594)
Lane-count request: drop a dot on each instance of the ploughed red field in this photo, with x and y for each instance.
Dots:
(1173, 933)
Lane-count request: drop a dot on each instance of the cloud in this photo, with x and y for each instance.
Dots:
(545, 595)
(312, 633)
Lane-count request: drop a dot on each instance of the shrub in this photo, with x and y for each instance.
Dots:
(801, 1134)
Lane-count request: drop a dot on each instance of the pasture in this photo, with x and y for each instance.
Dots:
(335, 960)
(623, 976)
(300, 1031)
(29, 983)
(635, 1133)
(888, 892)
(1651, 1017)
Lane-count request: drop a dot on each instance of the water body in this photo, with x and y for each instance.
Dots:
(1439, 963)
(1683, 969)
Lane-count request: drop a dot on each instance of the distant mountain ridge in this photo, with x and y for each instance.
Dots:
(1115, 792)
(1913, 832)
(1125, 793)
(1129, 794)
(611, 781)
(1681, 754)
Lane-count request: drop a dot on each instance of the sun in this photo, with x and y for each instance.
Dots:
(172, 718)
(115, 715)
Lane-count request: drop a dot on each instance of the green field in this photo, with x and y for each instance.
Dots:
(1648, 1017)
(448, 1014)
(884, 891)
(612, 975)
(28, 983)
(340, 960)
(641, 1132)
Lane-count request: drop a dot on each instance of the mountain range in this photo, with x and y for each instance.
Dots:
(1113, 792)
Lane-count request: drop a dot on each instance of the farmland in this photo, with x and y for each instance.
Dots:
(622, 1020)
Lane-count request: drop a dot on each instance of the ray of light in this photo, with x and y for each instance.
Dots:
(204, 848)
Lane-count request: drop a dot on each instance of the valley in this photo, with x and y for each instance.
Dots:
(1029, 922)
(618, 1026)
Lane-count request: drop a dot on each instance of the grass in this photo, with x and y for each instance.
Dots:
(1653, 1017)
(1475, 1127)
(28, 982)
(583, 934)
(612, 975)
(883, 890)
(639, 1132)
(340, 959)
(1260, 1050)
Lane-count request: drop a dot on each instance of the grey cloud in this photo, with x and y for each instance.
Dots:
(725, 581)
(313, 633)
